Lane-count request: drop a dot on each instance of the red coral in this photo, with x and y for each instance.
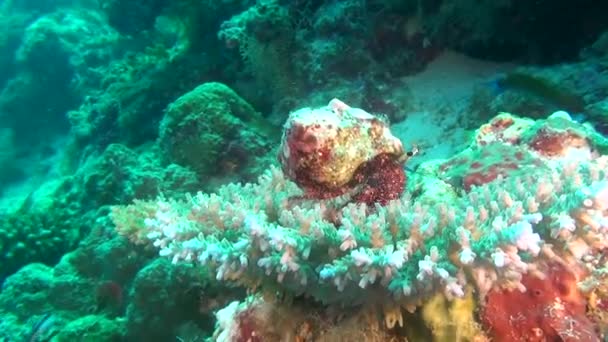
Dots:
(553, 143)
(488, 174)
(503, 128)
(483, 165)
(493, 130)
(551, 309)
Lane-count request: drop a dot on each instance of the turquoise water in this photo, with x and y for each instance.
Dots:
(269, 170)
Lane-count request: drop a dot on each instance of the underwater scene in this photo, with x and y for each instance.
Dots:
(303, 171)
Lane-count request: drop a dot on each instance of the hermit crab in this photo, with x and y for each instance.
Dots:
(339, 150)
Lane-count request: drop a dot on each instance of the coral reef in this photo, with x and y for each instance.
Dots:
(212, 130)
(130, 129)
(509, 145)
(577, 87)
(507, 29)
(56, 51)
(498, 235)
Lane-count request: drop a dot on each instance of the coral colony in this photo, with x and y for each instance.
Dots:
(505, 241)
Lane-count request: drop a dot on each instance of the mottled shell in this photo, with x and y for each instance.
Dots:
(325, 146)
